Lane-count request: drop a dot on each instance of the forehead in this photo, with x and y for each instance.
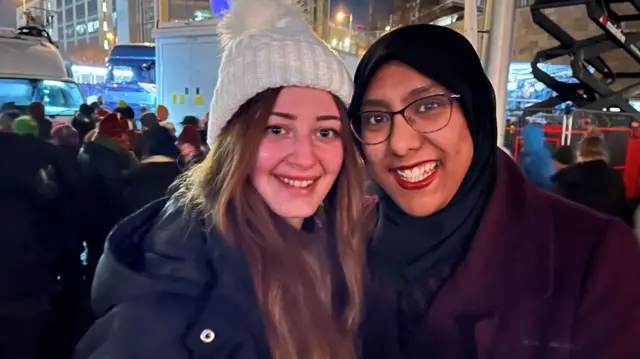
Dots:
(303, 102)
(396, 82)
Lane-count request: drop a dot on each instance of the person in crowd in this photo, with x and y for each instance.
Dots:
(157, 171)
(36, 225)
(148, 121)
(6, 120)
(70, 305)
(469, 259)
(258, 254)
(67, 139)
(5, 123)
(104, 160)
(84, 121)
(592, 182)
(135, 137)
(191, 149)
(36, 111)
(96, 106)
(169, 126)
(199, 125)
(192, 121)
(563, 157)
(25, 125)
(100, 101)
(537, 160)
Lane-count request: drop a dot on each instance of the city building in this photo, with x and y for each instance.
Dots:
(406, 12)
(136, 23)
(83, 29)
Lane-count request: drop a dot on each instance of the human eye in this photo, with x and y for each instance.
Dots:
(328, 133)
(428, 104)
(374, 118)
(275, 130)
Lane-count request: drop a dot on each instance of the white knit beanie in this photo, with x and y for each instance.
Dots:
(269, 44)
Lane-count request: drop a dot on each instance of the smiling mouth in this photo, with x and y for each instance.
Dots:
(296, 182)
(416, 173)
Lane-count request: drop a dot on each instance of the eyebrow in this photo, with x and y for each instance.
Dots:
(289, 116)
(411, 96)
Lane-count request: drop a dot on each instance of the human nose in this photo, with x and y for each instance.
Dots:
(303, 153)
(403, 138)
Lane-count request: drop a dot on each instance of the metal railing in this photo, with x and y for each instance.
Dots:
(569, 127)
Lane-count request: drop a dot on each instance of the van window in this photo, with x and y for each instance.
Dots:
(58, 97)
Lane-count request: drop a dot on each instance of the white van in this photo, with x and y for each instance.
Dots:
(32, 69)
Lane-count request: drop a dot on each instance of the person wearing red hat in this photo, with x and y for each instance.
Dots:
(190, 145)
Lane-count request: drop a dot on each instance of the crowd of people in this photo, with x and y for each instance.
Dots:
(582, 175)
(64, 185)
(267, 246)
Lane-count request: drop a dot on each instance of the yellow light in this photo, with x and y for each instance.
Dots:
(109, 36)
(387, 28)
(340, 16)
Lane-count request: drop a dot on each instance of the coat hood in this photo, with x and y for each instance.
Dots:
(533, 136)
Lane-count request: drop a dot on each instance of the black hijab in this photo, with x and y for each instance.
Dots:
(415, 255)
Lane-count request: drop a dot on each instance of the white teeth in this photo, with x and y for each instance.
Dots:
(296, 183)
(418, 173)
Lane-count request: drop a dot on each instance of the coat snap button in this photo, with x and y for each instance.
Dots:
(207, 336)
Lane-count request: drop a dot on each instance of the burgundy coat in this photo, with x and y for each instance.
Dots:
(544, 279)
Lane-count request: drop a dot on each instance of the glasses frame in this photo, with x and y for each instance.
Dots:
(392, 114)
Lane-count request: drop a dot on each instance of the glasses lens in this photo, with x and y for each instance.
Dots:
(429, 114)
(371, 127)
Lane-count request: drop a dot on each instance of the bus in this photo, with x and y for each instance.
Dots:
(131, 76)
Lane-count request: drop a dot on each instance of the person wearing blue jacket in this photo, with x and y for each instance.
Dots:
(537, 160)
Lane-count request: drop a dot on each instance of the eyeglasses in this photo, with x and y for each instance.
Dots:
(426, 115)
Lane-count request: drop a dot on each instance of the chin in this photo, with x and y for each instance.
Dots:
(418, 206)
(294, 210)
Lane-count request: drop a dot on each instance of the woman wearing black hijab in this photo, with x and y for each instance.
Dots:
(468, 259)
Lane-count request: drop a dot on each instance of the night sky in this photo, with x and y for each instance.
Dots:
(360, 8)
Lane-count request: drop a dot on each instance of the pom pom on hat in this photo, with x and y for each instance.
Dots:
(122, 104)
(256, 15)
(269, 44)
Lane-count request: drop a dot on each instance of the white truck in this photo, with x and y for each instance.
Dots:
(188, 57)
(32, 69)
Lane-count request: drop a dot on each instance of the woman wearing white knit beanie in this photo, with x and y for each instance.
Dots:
(258, 254)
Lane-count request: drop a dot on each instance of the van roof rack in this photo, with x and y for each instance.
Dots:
(36, 32)
(590, 91)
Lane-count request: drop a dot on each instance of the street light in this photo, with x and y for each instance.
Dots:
(340, 16)
(109, 35)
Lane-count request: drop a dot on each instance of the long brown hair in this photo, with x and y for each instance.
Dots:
(293, 292)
